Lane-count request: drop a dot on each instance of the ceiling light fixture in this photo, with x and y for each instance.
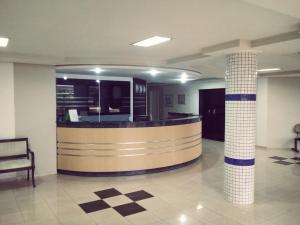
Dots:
(65, 78)
(3, 42)
(152, 41)
(97, 70)
(154, 72)
(98, 81)
(268, 70)
(183, 78)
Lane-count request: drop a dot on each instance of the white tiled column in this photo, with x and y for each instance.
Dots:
(240, 122)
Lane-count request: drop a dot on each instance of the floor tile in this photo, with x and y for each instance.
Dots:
(143, 218)
(111, 192)
(184, 219)
(138, 195)
(44, 222)
(108, 217)
(8, 207)
(296, 158)
(117, 200)
(283, 163)
(277, 158)
(76, 220)
(94, 206)
(85, 198)
(11, 219)
(38, 213)
(129, 209)
(154, 203)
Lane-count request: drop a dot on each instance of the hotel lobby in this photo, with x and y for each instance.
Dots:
(149, 112)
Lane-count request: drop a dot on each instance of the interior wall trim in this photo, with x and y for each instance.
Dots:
(129, 149)
(131, 142)
(138, 154)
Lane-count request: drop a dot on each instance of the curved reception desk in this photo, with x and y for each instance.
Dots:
(127, 147)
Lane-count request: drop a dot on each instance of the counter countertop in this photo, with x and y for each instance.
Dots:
(122, 124)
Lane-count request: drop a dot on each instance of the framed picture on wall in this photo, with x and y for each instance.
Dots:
(169, 100)
(181, 99)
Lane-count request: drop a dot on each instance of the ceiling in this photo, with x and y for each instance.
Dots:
(62, 32)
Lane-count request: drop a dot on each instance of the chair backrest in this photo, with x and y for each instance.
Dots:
(10, 148)
(297, 129)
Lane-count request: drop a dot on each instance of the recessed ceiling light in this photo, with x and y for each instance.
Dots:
(65, 78)
(97, 70)
(183, 78)
(3, 42)
(268, 70)
(152, 41)
(153, 72)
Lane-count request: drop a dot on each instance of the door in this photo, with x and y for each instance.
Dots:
(153, 106)
(212, 109)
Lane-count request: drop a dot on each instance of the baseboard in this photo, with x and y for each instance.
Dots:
(260, 146)
(46, 174)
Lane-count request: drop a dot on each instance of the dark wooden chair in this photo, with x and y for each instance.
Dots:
(15, 155)
(297, 138)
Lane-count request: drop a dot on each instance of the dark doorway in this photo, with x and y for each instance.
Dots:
(212, 109)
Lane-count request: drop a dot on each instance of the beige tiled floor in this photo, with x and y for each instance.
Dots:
(190, 195)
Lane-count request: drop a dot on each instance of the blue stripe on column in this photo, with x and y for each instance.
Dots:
(240, 97)
(239, 162)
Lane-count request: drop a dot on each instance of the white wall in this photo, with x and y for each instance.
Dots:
(262, 112)
(278, 107)
(36, 112)
(191, 91)
(7, 103)
(283, 111)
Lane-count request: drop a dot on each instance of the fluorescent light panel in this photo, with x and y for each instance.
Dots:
(3, 42)
(268, 70)
(152, 41)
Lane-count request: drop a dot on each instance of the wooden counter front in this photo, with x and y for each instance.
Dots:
(127, 149)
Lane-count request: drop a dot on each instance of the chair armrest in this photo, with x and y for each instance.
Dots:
(32, 157)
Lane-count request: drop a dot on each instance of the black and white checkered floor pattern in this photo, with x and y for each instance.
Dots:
(285, 161)
(109, 197)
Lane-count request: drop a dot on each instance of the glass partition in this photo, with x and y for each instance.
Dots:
(93, 100)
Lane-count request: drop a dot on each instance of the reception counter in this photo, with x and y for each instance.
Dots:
(119, 148)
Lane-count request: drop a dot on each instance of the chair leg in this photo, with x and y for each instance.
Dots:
(28, 174)
(295, 146)
(32, 177)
